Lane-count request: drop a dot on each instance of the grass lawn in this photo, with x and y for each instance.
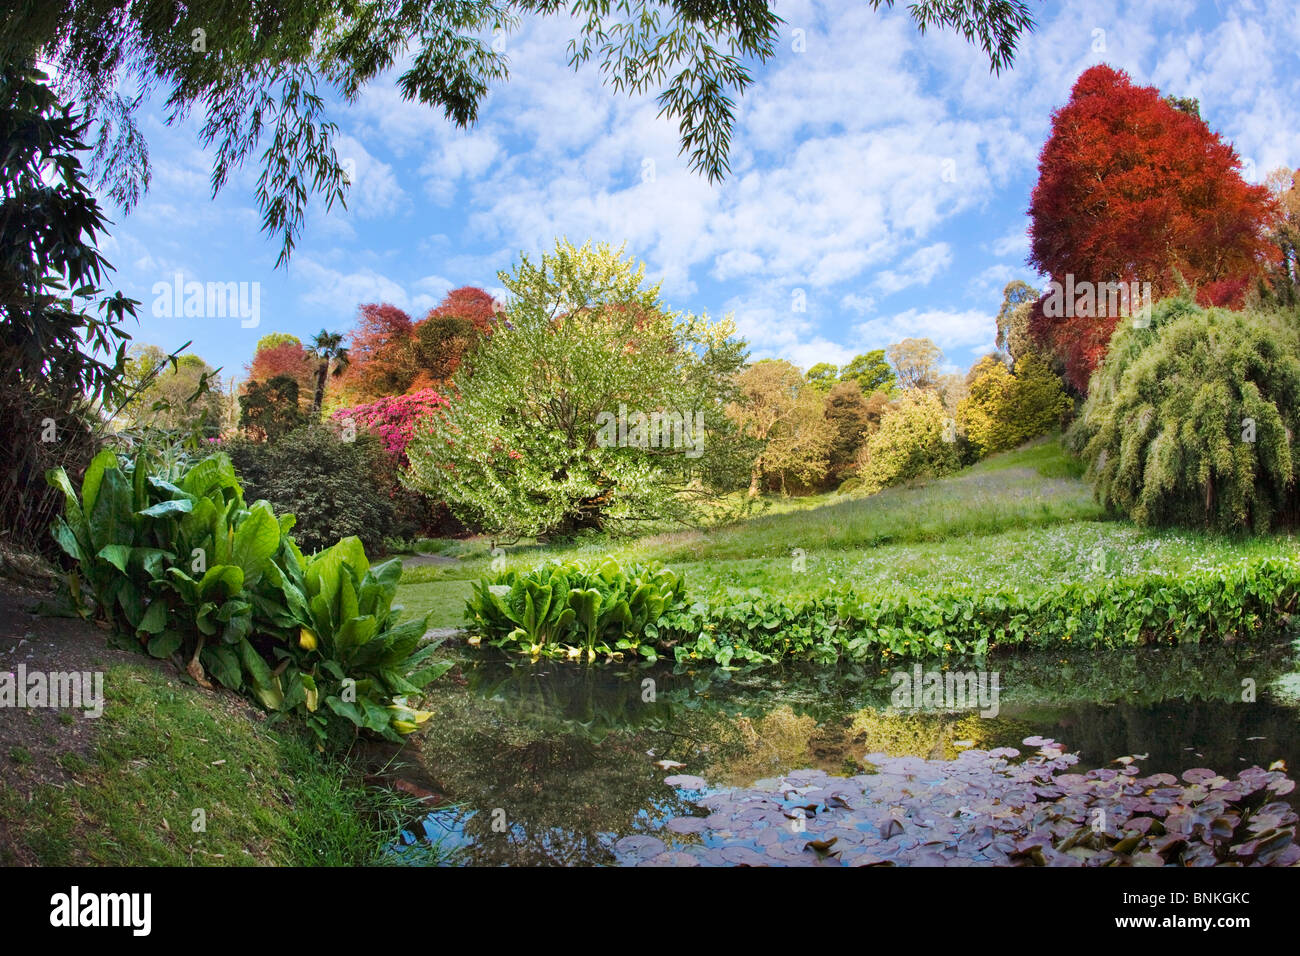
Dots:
(1024, 518)
(167, 750)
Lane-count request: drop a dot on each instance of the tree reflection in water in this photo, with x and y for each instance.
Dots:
(552, 764)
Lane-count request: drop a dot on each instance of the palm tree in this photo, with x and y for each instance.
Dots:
(328, 347)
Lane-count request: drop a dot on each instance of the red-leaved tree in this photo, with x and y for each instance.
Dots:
(391, 355)
(467, 302)
(379, 352)
(286, 358)
(1132, 189)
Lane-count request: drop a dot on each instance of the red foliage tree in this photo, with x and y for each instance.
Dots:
(379, 352)
(287, 358)
(448, 332)
(467, 302)
(1132, 189)
(391, 355)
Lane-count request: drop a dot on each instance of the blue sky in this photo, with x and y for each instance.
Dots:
(882, 174)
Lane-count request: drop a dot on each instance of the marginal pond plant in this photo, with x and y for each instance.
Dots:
(646, 609)
(181, 566)
(577, 610)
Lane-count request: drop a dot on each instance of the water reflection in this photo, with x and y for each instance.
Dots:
(551, 764)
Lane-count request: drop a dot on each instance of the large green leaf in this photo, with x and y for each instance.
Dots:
(140, 483)
(348, 606)
(352, 634)
(184, 585)
(223, 664)
(346, 709)
(131, 601)
(67, 540)
(155, 617)
(58, 478)
(166, 644)
(118, 555)
(212, 477)
(90, 484)
(266, 686)
(256, 539)
(111, 519)
(168, 509)
(220, 582)
(379, 587)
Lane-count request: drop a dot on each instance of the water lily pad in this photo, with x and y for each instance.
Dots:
(640, 847)
(686, 782)
(687, 825)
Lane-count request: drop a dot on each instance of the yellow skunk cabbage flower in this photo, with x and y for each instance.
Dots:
(306, 640)
(406, 720)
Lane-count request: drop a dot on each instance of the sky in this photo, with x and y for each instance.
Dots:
(879, 186)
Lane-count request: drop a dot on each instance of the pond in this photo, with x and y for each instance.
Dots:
(561, 764)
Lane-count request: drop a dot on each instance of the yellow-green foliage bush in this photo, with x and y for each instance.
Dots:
(916, 439)
(1192, 420)
(1006, 409)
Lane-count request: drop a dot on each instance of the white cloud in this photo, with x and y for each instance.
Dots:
(950, 329)
(1013, 244)
(338, 294)
(920, 268)
(374, 191)
(461, 156)
(993, 280)
(859, 304)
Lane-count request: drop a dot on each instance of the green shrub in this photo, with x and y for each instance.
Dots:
(532, 443)
(915, 440)
(180, 564)
(1243, 599)
(1191, 421)
(270, 410)
(568, 609)
(335, 488)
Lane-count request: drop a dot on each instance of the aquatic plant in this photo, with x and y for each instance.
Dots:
(985, 807)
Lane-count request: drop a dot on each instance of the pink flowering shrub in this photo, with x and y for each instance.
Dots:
(393, 418)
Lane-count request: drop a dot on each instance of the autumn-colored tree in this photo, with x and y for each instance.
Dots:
(448, 333)
(916, 362)
(470, 303)
(848, 411)
(440, 345)
(777, 407)
(278, 354)
(1134, 189)
(1283, 286)
(379, 351)
(389, 354)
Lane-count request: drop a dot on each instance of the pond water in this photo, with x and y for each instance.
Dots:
(563, 764)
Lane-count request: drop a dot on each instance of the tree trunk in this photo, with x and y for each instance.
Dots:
(321, 373)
